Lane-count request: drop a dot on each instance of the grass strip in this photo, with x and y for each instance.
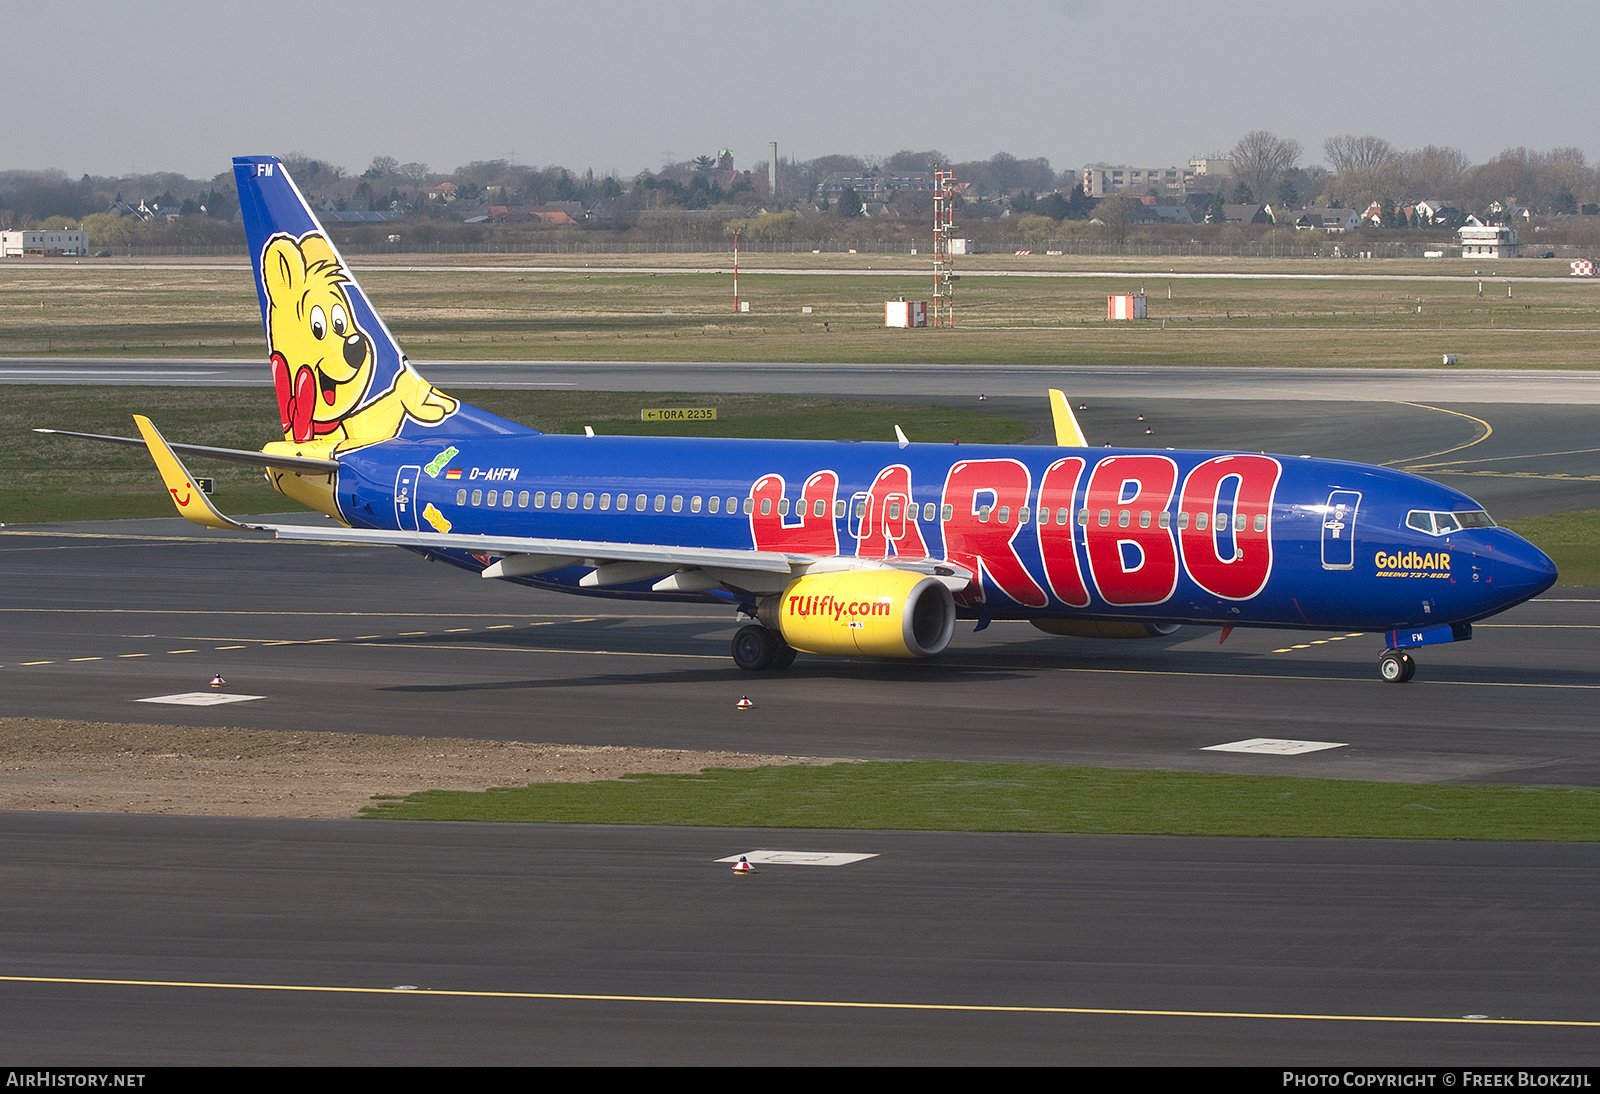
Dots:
(1572, 540)
(58, 478)
(974, 797)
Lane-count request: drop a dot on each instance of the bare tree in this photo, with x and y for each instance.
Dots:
(1435, 171)
(1260, 157)
(1349, 151)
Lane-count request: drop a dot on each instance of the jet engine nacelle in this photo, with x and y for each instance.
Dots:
(1091, 628)
(879, 613)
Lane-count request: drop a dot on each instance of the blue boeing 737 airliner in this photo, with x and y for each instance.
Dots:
(833, 547)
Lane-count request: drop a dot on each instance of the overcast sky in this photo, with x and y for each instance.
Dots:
(623, 85)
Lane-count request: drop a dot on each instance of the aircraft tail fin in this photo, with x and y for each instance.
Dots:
(341, 378)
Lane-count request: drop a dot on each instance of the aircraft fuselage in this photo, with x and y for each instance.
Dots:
(1226, 538)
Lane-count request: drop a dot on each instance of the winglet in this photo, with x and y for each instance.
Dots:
(190, 500)
(900, 437)
(1068, 435)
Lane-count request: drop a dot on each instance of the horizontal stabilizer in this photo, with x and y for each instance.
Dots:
(233, 455)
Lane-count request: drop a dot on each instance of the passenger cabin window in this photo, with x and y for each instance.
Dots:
(713, 504)
(677, 503)
(588, 501)
(661, 503)
(477, 497)
(461, 496)
(750, 506)
(639, 502)
(694, 504)
(605, 502)
(522, 500)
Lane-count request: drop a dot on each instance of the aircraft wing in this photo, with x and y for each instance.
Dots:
(764, 561)
(677, 568)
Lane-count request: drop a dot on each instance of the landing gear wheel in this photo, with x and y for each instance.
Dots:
(1396, 667)
(786, 655)
(755, 648)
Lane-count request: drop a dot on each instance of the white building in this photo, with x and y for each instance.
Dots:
(1480, 240)
(53, 243)
(1165, 181)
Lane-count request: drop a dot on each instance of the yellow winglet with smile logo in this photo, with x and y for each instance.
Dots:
(190, 500)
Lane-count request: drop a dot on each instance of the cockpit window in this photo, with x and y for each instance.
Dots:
(1442, 524)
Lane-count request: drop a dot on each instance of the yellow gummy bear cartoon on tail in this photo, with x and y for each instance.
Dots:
(322, 362)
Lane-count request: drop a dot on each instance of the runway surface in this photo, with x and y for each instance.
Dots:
(98, 616)
(907, 380)
(375, 640)
(188, 940)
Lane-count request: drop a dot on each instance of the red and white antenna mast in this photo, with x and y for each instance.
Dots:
(944, 207)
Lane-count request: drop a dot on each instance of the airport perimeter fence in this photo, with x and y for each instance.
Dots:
(868, 247)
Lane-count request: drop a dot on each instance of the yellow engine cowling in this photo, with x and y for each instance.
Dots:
(879, 613)
(1104, 628)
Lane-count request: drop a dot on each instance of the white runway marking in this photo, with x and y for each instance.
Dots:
(200, 698)
(800, 858)
(1274, 746)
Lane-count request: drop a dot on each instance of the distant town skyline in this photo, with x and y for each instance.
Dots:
(623, 86)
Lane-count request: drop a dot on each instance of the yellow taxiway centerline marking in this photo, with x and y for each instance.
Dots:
(834, 1004)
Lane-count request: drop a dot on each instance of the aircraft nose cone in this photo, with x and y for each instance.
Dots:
(1525, 571)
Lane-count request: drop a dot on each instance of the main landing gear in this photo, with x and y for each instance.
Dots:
(757, 649)
(1396, 666)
